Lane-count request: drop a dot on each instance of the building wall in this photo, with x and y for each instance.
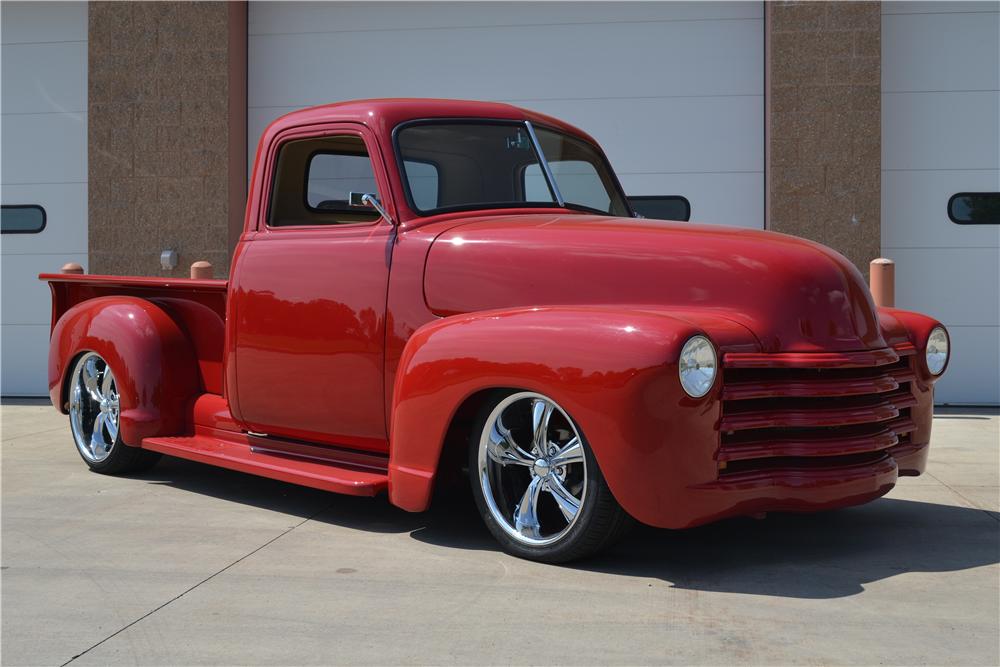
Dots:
(44, 139)
(159, 135)
(824, 126)
(675, 94)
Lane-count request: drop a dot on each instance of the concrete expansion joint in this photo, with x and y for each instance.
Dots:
(203, 581)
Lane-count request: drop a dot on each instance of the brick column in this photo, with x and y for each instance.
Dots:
(823, 141)
(166, 129)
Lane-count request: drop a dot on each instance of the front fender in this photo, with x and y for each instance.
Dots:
(152, 359)
(899, 328)
(613, 369)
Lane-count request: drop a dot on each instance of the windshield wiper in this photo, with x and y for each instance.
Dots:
(584, 209)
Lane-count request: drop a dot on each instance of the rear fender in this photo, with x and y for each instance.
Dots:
(152, 359)
(614, 370)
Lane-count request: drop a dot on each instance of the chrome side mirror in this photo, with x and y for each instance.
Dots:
(369, 200)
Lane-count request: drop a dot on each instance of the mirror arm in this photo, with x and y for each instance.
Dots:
(371, 200)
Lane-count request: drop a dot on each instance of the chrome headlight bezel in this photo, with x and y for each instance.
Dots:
(698, 366)
(937, 352)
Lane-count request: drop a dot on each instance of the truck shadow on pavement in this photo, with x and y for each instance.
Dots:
(814, 556)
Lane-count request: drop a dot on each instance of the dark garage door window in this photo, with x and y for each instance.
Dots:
(975, 208)
(667, 207)
(22, 219)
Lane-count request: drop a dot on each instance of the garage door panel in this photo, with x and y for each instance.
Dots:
(66, 218)
(40, 77)
(922, 53)
(959, 286)
(947, 130)
(483, 63)
(943, 7)
(723, 199)
(308, 17)
(44, 162)
(973, 375)
(670, 135)
(914, 209)
(24, 355)
(44, 148)
(27, 22)
(26, 299)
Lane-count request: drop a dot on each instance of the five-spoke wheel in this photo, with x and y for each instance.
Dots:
(95, 415)
(536, 483)
(94, 408)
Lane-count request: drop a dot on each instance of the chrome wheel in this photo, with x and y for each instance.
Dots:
(94, 407)
(532, 469)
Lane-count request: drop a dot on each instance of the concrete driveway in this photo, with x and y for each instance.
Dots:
(189, 564)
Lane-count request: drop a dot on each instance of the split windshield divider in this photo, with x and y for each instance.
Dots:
(553, 186)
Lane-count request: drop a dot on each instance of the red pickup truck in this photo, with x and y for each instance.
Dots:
(426, 287)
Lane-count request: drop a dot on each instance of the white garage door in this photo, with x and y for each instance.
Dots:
(673, 91)
(941, 136)
(44, 141)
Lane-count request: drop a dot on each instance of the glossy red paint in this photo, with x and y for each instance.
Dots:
(152, 358)
(354, 347)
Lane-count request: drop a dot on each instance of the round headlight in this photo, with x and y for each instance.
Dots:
(698, 366)
(937, 350)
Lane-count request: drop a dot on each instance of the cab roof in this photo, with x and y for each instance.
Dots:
(383, 115)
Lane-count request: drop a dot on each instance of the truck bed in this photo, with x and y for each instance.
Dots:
(198, 306)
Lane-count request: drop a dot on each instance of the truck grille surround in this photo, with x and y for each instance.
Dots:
(783, 413)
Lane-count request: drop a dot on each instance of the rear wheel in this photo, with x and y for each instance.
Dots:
(94, 419)
(537, 484)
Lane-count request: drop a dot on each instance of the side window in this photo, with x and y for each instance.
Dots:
(314, 179)
(578, 182)
(22, 219)
(425, 184)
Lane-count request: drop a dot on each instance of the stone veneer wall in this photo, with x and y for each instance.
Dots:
(824, 124)
(159, 138)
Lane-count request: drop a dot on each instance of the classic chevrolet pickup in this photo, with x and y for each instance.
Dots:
(427, 287)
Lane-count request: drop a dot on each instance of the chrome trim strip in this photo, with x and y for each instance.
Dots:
(545, 164)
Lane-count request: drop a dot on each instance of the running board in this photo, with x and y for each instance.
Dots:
(351, 474)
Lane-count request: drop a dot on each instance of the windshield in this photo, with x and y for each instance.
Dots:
(454, 165)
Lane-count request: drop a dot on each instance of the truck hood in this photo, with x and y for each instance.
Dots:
(792, 294)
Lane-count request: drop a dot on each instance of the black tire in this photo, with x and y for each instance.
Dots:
(599, 523)
(94, 416)
(125, 459)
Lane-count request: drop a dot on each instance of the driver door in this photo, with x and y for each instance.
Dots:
(311, 293)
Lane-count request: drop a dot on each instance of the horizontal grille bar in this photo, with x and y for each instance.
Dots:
(744, 470)
(865, 359)
(839, 442)
(812, 383)
(839, 413)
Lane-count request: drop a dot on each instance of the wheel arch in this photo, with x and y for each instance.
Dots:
(612, 369)
(151, 356)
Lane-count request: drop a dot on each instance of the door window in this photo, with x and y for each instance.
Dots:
(314, 179)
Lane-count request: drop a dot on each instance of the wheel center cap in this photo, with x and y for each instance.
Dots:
(541, 468)
(105, 406)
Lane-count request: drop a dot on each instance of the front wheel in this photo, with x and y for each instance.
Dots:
(94, 413)
(537, 484)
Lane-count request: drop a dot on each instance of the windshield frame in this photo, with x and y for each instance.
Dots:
(558, 201)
